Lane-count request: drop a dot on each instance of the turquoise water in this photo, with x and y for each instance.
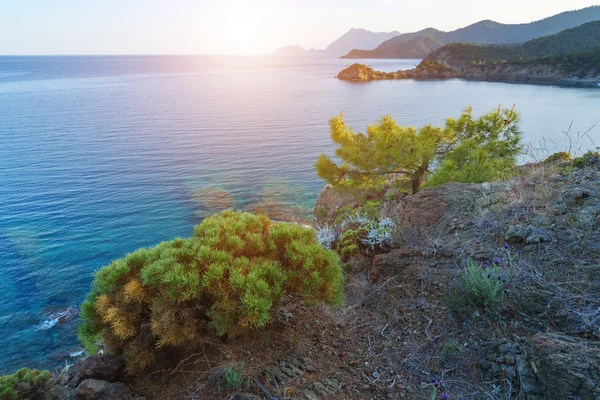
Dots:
(102, 155)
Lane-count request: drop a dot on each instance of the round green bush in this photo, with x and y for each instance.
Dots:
(225, 280)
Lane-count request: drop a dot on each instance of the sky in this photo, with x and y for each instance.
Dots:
(235, 26)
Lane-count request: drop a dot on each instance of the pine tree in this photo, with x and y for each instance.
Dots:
(465, 149)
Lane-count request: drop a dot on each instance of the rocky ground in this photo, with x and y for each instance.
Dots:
(406, 329)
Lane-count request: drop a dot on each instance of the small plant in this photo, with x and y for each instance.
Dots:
(436, 387)
(559, 157)
(483, 284)
(349, 242)
(450, 348)
(379, 234)
(234, 379)
(326, 236)
(589, 158)
(10, 385)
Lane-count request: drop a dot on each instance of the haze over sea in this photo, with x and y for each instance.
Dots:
(102, 155)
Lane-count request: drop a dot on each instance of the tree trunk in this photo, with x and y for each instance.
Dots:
(417, 178)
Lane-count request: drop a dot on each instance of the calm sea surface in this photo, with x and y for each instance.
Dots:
(102, 155)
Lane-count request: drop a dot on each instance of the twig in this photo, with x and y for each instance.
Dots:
(383, 330)
(264, 390)
(427, 327)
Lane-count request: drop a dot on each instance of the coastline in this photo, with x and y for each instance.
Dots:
(357, 73)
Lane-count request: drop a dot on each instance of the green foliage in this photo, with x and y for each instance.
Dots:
(370, 210)
(234, 379)
(576, 51)
(11, 386)
(226, 279)
(350, 242)
(483, 286)
(467, 149)
(589, 158)
(450, 348)
(435, 67)
(558, 157)
(487, 151)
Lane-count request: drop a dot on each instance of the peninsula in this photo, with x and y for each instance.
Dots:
(570, 57)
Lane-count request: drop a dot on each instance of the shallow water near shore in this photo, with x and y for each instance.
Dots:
(102, 155)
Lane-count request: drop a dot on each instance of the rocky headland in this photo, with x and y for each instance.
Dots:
(441, 68)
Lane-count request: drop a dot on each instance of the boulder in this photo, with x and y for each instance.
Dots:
(91, 389)
(329, 202)
(526, 234)
(422, 210)
(118, 391)
(439, 208)
(567, 368)
(102, 367)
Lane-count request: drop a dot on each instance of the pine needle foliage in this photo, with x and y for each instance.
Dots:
(466, 149)
(225, 280)
(24, 384)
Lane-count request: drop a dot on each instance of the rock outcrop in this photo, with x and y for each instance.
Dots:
(566, 367)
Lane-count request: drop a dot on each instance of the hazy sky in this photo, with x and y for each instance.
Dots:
(234, 26)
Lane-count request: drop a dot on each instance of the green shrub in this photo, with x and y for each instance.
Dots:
(483, 285)
(589, 158)
(349, 243)
(558, 157)
(224, 280)
(234, 379)
(579, 162)
(13, 386)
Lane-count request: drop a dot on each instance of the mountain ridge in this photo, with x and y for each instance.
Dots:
(484, 32)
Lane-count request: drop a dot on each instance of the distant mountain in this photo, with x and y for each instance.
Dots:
(418, 47)
(358, 39)
(581, 43)
(295, 50)
(581, 38)
(483, 32)
(353, 39)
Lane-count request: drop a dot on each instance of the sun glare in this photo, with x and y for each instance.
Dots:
(243, 34)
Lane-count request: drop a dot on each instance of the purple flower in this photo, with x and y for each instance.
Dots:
(498, 261)
(436, 383)
(499, 277)
(489, 275)
(506, 246)
(445, 396)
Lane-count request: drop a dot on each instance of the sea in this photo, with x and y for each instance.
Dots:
(102, 155)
